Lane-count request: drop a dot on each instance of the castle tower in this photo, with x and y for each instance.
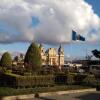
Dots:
(52, 56)
(60, 56)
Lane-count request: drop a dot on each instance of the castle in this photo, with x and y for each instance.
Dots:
(51, 56)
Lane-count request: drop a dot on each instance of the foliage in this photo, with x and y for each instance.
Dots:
(21, 56)
(18, 81)
(33, 59)
(79, 78)
(60, 78)
(5, 91)
(16, 58)
(90, 80)
(18, 70)
(70, 79)
(6, 60)
(2, 70)
(96, 53)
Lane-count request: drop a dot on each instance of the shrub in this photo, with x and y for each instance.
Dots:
(2, 70)
(32, 59)
(79, 78)
(70, 79)
(90, 80)
(18, 81)
(6, 60)
(60, 78)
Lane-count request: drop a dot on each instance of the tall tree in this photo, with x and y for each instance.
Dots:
(21, 56)
(16, 58)
(6, 60)
(96, 53)
(33, 59)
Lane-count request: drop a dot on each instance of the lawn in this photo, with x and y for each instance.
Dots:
(6, 91)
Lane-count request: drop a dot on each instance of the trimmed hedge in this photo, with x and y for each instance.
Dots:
(75, 79)
(79, 78)
(31, 81)
(62, 78)
(90, 80)
(18, 81)
(70, 79)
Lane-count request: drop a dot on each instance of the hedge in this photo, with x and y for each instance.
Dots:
(75, 79)
(62, 78)
(17, 81)
(90, 80)
(31, 81)
(70, 79)
(79, 78)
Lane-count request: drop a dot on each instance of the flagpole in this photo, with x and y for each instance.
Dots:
(76, 37)
(71, 50)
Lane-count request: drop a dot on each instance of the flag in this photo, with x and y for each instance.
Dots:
(76, 36)
(79, 37)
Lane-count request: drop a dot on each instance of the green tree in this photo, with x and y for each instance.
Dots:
(33, 59)
(21, 56)
(6, 60)
(16, 58)
(96, 53)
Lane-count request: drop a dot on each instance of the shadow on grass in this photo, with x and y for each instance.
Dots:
(90, 96)
(0, 97)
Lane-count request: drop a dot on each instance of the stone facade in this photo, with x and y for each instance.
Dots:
(51, 56)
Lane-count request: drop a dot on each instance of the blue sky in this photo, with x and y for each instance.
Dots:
(96, 5)
(75, 50)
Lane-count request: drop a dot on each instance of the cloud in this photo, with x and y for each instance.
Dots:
(47, 21)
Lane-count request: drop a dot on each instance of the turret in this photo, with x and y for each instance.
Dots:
(60, 50)
(61, 56)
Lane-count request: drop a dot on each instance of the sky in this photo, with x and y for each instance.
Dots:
(50, 22)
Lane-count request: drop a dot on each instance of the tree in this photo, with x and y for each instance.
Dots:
(33, 59)
(96, 53)
(21, 56)
(16, 58)
(6, 60)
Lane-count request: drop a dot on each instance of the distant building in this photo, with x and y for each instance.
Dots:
(51, 56)
(92, 66)
(18, 60)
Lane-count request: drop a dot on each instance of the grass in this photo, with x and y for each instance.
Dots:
(6, 91)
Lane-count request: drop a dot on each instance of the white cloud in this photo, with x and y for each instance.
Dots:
(57, 18)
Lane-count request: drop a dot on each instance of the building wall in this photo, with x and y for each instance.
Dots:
(52, 57)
